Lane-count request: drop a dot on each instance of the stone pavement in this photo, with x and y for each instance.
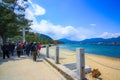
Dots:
(25, 68)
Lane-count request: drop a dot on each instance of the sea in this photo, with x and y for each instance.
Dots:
(97, 49)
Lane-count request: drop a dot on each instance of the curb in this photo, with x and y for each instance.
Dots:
(68, 74)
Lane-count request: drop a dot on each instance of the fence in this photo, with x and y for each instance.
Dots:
(59, 57)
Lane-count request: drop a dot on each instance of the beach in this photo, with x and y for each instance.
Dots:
(109, 67)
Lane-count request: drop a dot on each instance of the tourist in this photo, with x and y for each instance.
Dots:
(39, 48)
(34, 50)
(5, 49)
(27, 49)
(11, 48)
(19, 50)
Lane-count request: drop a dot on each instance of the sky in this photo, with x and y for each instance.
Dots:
(75, 19)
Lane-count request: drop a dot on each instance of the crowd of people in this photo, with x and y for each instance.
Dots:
(9, 49)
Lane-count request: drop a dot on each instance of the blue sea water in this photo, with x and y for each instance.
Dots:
(104, 50)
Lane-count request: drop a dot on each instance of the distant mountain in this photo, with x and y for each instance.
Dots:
(94, 40)
(64, 40)
(114, 39)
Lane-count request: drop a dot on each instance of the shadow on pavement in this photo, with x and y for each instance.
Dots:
(15, 58)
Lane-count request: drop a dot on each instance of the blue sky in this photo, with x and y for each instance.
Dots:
(75, 19)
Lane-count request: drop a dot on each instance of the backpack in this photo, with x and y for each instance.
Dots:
(34, 47)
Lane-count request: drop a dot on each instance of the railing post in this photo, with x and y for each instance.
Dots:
(80, 63)
(57, 54)
(47, 51)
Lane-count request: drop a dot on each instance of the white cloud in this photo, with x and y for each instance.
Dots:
(29, 14)
(34, 10)
(93, 25)
(58, 31)
(109, 35)
(38, 10)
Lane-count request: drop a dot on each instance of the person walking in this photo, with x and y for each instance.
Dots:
(19, 50)
(34, 48)
(5, 49)
(38, 50)
(22, 44)
(27, 49)
(11, 48)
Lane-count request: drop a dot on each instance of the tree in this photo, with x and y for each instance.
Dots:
(16, 38)
(32, 37)
(12, 18)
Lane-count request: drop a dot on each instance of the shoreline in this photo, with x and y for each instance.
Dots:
(102, 50)
(94, 54)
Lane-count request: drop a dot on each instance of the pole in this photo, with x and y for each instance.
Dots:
(80, 64)
(23, 32)
(47, 51)
(57, 55)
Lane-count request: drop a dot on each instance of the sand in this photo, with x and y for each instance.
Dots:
(109, 67)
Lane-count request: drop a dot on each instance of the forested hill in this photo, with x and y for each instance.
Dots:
(45, 36)
(45, 39)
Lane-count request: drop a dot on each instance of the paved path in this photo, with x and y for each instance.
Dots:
(25, 69)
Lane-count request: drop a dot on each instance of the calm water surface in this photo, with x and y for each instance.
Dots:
(104, 50)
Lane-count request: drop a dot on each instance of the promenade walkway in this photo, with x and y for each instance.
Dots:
(25, 68)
